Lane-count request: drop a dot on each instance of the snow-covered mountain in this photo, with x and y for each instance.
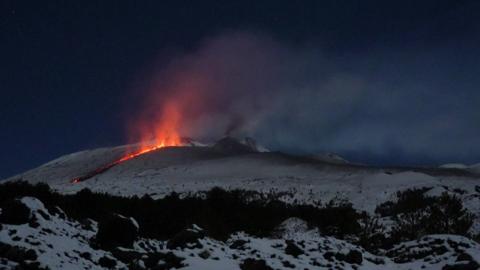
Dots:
(475, 168)
(454, 166)
(330, 158)
(233, 164)
(241, 164)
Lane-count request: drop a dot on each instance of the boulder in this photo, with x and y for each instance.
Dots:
(254, 264)
(29, 265)
(293, 249)
(204, 254)
(87, 224)
(126, 255)
(464, 257)
(17, 254)
(163, 261)
(116, 231)
(354, 256)
(238, 244)
(471, 265)
(186, 239)
(107, 262)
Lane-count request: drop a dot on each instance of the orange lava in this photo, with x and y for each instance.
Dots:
(163, 132)
(141, 152)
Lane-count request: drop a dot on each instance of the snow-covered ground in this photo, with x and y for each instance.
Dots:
(475, 168)
(60, 243)
(192, 169)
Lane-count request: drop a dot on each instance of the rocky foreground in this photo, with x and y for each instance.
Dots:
(33, 236)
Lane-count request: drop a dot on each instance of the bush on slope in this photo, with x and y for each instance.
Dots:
(220, 212)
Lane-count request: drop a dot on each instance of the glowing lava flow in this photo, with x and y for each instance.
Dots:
(116, 162)
(163, 133)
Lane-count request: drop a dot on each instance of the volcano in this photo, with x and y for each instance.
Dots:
(124, 158)
(233, 163)
(192, 169)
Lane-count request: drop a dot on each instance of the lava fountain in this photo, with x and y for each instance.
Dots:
(163, 132)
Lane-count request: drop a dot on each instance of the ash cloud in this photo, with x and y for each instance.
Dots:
(384, 106)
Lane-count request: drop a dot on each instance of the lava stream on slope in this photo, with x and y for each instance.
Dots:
(106, 167)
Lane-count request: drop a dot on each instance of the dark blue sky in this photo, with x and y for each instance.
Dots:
(69, 68)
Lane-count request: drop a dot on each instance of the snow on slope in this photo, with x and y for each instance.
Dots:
(61, 243)
(330, 157)
(58, 242)
(454, 166)
(192, 169)
(475, 168)
(67, 167)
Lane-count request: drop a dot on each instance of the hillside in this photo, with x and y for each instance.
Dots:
(250, 209)
(191, 169)
(37, 235)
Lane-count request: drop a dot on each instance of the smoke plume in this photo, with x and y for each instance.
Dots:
(386, 106)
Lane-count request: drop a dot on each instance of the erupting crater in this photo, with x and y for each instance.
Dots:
(162, 133)
(118, 161)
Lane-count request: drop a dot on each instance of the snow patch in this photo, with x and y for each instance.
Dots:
(454, 166)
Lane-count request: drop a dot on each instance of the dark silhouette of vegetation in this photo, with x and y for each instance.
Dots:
(408, 201)
(372, 234)
(416, 214)
(447, 215)
(14, 212)
(220, 213)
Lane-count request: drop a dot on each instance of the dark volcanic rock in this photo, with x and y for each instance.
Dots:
(86, 224)
(17, 254)
(86, 255)
(471, 265)
(163, 261)
(329, 255)
(33, 222)
(293, 249)
(116, 231)
(288, 264)
(107, 262)
(29, 265)
(57, 211)
(126, 256)
(204, 254)
(354, 256)
(15, 212)
(464, 257)
(186, 239)
(254, 264)
(229, 145)
(238, 244)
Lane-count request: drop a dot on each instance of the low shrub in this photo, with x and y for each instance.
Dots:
(415, 214)
(220, 213)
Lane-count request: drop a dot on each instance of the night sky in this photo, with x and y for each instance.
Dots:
(380, 82)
